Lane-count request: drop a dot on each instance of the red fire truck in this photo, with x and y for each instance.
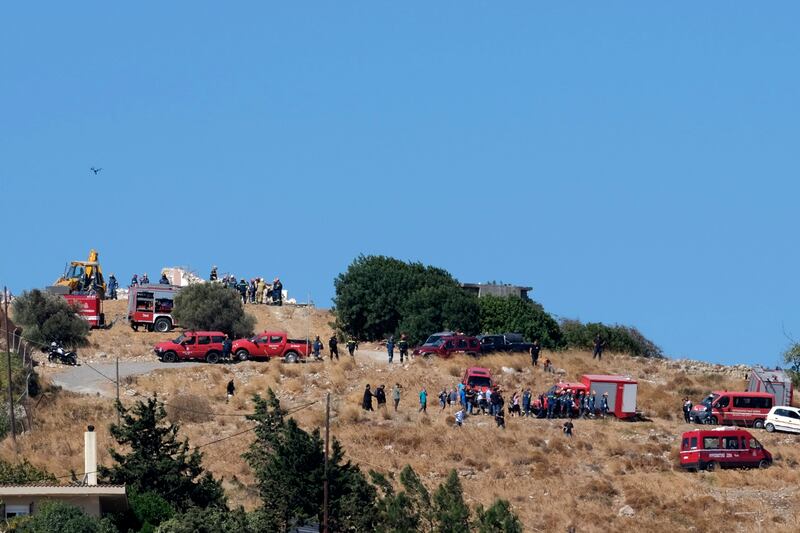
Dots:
(89, 308)
(150, 306)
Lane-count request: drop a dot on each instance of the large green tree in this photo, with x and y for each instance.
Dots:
(451, 513)
(213, 307)
(47, 318)
(378, 296)
(288, 464)
(513, 314)
(156, 461)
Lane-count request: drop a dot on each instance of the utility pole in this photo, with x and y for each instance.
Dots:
(117, 382)
(325, 479)
(8, 360)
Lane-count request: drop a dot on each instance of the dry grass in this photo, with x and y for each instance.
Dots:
(552, 482)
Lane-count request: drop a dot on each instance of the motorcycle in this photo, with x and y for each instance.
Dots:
(58, 354)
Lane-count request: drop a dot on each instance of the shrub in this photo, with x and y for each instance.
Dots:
(620, 339)
(513, 314)
(47, 318)
(213, 307)
(21, 473)
(379, 296)
(57, 516)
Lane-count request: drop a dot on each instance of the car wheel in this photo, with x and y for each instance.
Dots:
(212, 358)
(162, 325)
(758, 424)
(763, 463)
(713, 421)
(710, 467)
(242, 355)
(169, 357)
(291, 357)
(769, 427)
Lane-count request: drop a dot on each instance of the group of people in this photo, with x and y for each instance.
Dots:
(256, 291)
(333, 347)
(380, 396)
(402, 347)
(143, 280)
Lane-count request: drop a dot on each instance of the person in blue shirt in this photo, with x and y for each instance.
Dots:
(604, 404)
(390, 348)
(423, 401)
(112, 287)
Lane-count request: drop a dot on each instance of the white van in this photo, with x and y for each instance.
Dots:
(783, 418)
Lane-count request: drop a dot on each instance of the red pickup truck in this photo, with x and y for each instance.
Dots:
(269, 345)
(202, 345)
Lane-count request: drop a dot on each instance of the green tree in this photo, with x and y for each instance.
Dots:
(513, 314)
(498, 518)
(21, 473)
(792, 358)
(288, 464)
(449, 509)
(57, 516)
(397, 512)
(439, 308)
(620, 339)
(47, 318)
(211, 520)
(157, 461)
(147, 510)
(213, 307)
(377, 293)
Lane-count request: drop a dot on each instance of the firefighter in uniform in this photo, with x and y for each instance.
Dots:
(403, 346)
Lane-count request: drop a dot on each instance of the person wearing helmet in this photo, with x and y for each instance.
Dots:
(213, 275)
(112, 287)
(277, 292)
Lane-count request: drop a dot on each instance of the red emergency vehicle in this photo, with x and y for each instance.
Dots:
(89, 307)
(739, 408)
(200, 345)
(477, 378)
(269, 345)
(622, 391)
(150, 306)
(724, 447)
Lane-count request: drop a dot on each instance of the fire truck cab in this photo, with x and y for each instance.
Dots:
(150, 306)
(707, 449)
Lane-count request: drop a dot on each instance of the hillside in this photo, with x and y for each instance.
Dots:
(612, 474)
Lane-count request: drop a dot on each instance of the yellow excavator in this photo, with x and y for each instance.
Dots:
(83, 277)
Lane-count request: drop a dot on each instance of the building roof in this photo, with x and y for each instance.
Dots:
(50, 489)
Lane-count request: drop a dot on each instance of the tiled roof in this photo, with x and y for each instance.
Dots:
(45, 484)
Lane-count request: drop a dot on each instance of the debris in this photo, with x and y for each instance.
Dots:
(626, 511)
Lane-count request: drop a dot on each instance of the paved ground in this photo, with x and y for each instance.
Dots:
(87, 378)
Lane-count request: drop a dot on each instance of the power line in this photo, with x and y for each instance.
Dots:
(215, 441)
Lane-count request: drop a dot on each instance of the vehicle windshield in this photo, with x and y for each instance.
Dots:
(180, 339)
(75, 271)
(434, 340)
(479, 381)
(710, 399)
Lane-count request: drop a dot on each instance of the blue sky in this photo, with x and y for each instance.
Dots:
(634, 163)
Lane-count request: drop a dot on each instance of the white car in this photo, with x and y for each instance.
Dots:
(783, 418)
